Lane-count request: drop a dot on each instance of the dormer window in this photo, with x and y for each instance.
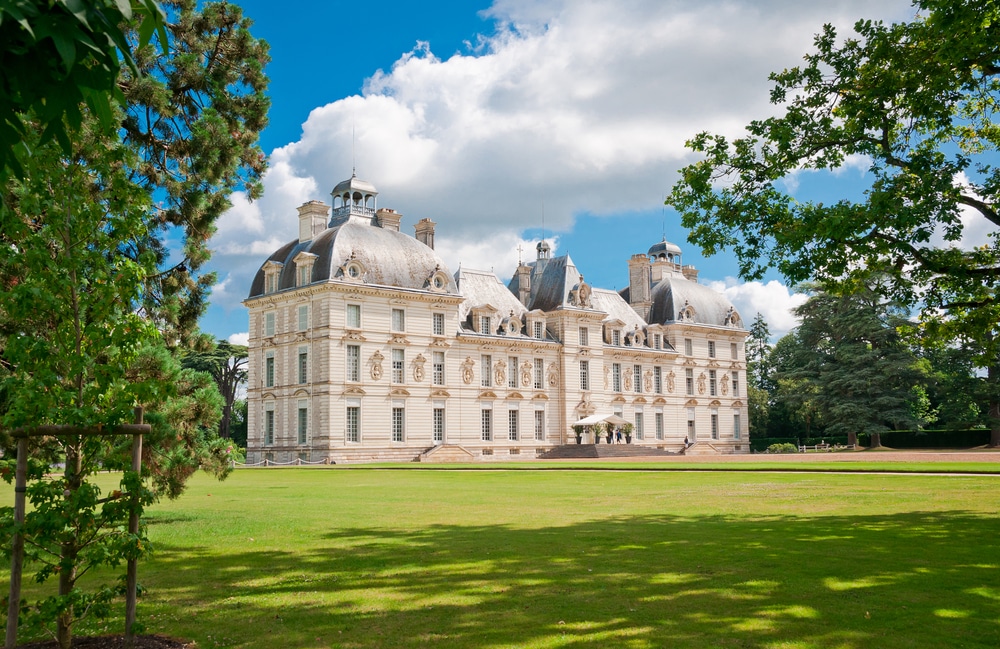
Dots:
(485, 324)
(511, 325)
(437, 281)
(272, 276)
(303, 268)
(484, 319)
(353, 270)
(538, 330)
(616, 337)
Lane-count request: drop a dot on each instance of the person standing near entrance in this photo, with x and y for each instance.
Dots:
(618, 435)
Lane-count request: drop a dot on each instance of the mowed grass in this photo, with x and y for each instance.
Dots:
(365, 557)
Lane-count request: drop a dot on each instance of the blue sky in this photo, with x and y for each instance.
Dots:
(492, 117)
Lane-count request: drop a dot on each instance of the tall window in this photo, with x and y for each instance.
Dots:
(353, 317)
(616, 377)
(584, 337)
(736, 384)
(397, 366)
(438, 323)
(512, 372)
(512, 432)
(353, 363)
(303, 364)
(269, 370)
(486, 371)
(271, 282)
(540, 425)
(715, 424)
(691, 430)
(398, 320)
(303, 421)
(269, 424)
(397, 424)
(688, 347)
(584, 375)
(638, 425)
(616, 337)
(538, 330)
(737, 432)
(485, 324)
(437, 373)
(689, 380)
(711, 383)
(487, 423)
(438, 419)
(657, 341)
(269, 324)
(637, 378)
(657, 380)
(303, 317)
(539, 374)
(733, 351)
(353, 425)
(711, 349)
(658, 420)
(304, 273)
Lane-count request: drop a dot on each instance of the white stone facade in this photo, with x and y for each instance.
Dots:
(364, 348)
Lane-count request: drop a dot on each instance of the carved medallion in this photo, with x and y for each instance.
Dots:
(376, 361)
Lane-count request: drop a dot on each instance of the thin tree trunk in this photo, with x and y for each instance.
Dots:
(70, 549)
(993, 381)
(852, 439)
(876, 440)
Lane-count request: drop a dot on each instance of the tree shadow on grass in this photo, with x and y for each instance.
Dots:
(904, 580)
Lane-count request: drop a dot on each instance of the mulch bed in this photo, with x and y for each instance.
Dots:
(115, 642)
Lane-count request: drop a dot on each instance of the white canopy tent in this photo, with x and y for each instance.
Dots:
(596, 419)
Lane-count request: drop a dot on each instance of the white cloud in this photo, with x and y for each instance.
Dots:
(582, 106)
(772, 300)
(241, 338)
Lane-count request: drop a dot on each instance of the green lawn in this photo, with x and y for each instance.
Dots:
(374, 558)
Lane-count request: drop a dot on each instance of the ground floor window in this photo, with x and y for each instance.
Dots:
(398, 419)
(353, 427)
(691, 433)
(540, 425)
(487, 423)
(269, 424)
(638, 425)
(715, 425)
(303, 422)
(736, 426)
(658, 419)
(512, 432)
(438, 417)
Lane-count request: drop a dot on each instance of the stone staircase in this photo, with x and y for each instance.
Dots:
(593, 451)
(390, 454)
(701, 448)
(446, 453)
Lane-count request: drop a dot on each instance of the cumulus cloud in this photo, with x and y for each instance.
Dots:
(582, 106)
(241, 338)
(773, 300)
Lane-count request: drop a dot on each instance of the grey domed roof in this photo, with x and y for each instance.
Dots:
(389, 258)
(354, 185)
(674, 294)
(664, 247)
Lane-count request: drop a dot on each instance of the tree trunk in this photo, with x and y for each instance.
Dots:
(852, 439)
(992, 380)
(69, 548)
(876, 440)
(227, 413)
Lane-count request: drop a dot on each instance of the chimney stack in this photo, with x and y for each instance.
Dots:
(312, 219)
(424, 232)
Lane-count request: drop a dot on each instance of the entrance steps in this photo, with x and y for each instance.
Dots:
(446, 453)
(701, 448)
(592, 451)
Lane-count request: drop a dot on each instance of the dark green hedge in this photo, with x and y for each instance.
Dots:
(760, 444)
(930, 438)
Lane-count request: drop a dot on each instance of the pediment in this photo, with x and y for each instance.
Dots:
(353, 391)
(539, 397)
(514, 396)
(442, 394)
(659, 401)
(399, 392)
(398, 340)
(640, 400)
(354, 335)
(487, 394)
(691, 403)
(618, 399)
